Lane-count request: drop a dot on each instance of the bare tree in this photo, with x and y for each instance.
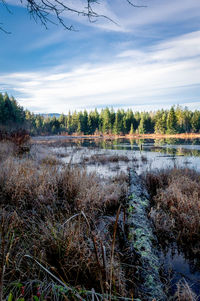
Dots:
(44, 10)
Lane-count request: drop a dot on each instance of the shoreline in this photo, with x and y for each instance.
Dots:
(112, 137)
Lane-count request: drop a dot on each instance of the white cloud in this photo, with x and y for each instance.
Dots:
(159, 12)
(168, 72)
(130, 19)
(185, 46)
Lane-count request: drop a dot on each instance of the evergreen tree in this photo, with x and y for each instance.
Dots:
(131, 132)
(74, 123)
(160, 122)
(69, 122)
(146, 124)
(85, 127)
(129, 120)
(187, 120)
(118, 127)
(39, 123)
(195, 121)
(106, 121)
(171, 122)
(137, 118)
(142, 128)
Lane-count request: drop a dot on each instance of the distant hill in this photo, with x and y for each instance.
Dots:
(45, 115)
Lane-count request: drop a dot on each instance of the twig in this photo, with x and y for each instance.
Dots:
(70, 219)
(56, 278)
(113, 249)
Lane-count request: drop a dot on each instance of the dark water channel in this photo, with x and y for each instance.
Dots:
(181, 265)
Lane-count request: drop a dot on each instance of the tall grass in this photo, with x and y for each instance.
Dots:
(176, 204)
(51, 216)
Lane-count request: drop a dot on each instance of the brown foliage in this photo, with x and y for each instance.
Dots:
(54, 212)
(19, 138)
(176, 203)
(105, 159)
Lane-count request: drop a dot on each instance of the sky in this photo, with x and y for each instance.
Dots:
(148, 59)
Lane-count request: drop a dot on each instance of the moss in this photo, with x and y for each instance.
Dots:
(131, 209)
(141, 238)
(150, 281)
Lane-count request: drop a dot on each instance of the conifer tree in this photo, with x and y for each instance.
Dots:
(131, 130)
(171, 122)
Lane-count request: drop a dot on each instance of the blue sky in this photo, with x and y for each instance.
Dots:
(149, 60)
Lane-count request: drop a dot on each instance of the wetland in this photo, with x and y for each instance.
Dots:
(73, 226)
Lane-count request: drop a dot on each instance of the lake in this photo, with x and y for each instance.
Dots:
(144, 154)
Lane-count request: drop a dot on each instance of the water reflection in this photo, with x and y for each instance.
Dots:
(183, 264)
(160, 153)
(177, 147)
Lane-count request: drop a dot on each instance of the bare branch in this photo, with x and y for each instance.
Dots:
(44, 10)
(134, 5)
(5, 31)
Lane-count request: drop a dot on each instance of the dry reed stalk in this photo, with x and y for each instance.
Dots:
(184, 292)
(113, 249)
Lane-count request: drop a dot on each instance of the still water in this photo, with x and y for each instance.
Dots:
(151, 154)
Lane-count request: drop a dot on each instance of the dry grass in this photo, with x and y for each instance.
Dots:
(7, 149)
(184, 292)
(53, 213)
(18, 138)
(105, 159)
(176, 204)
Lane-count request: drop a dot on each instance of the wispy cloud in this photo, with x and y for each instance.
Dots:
(171, 11)
(50, 39)
(134, 20)
(167, 72)
(184, 46)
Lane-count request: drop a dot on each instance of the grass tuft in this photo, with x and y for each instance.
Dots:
(175, 208)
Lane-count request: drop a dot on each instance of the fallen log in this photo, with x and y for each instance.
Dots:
(143, 241)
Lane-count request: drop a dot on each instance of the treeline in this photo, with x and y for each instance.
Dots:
(175, 120)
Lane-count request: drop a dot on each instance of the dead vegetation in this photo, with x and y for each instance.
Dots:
(176, 205)
(184, 292)
(52, 243)
(105, 159)
(175, 212)
(63, 236)
(19, 139)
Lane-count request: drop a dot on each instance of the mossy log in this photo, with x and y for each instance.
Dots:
(143, 241)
